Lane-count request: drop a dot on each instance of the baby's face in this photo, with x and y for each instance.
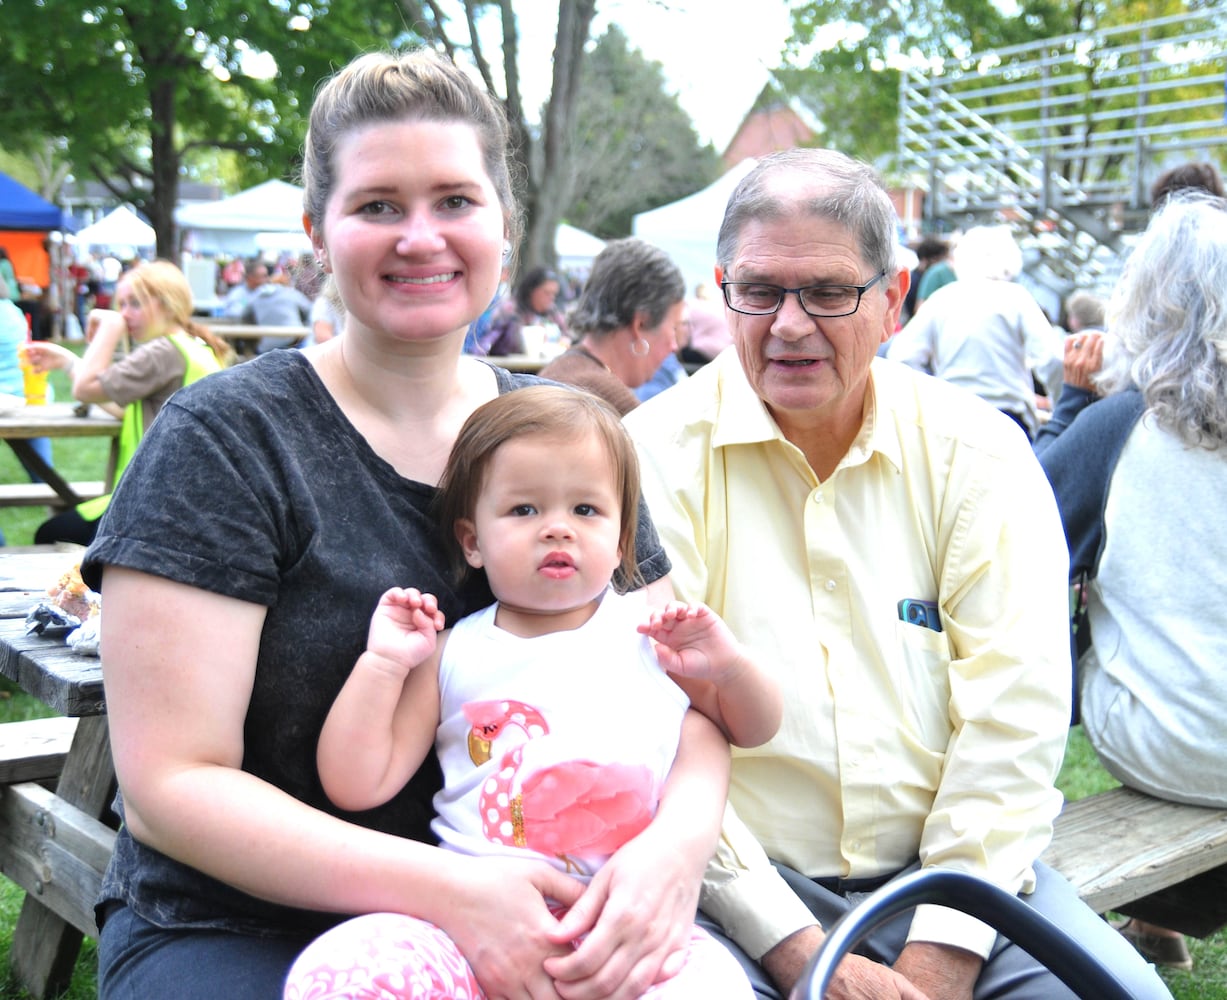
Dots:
(546, 529)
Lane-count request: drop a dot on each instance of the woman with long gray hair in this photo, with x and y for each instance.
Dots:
(1138, 476)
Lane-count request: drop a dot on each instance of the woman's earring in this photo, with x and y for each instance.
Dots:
(635, 348)
(506, 249)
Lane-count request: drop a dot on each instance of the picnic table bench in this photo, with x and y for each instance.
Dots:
(1159, 861)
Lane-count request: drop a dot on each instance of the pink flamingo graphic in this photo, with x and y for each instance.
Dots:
(567, 809)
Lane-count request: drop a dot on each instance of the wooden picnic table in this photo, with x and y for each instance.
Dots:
(54, 844)
(58, 420)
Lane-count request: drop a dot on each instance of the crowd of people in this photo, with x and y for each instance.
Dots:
(423, 675)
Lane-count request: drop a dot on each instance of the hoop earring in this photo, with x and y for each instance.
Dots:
(647, 348)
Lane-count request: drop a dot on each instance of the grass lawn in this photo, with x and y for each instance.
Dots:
(84, 458)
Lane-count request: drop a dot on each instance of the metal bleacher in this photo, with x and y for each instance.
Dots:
(1062, 138)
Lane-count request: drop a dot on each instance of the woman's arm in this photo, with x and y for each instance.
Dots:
(179, 667)
(639, 908)
(105, 331)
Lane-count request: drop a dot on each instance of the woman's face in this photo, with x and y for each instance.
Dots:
(661, 340)
(413, 231)
(145, 320)
(543, 297)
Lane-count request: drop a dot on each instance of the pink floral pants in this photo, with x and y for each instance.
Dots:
(389, 956)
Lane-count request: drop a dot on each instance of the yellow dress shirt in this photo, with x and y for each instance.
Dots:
(899, 743)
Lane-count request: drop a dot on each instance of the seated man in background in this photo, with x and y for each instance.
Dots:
(891, 546)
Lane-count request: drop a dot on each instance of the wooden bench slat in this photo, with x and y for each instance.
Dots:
(34, 750)
(1122, 846)
(42, 495)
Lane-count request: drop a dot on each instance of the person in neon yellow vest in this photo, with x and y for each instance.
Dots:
(168, 350)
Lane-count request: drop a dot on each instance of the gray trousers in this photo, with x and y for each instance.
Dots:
(1009, 972)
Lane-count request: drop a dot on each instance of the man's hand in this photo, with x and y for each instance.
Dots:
(942, 971)
(856, 978)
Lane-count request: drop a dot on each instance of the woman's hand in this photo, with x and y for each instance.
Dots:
(44, 357)
(104, 321)
(1083, 359)
(502, 923)
(637, 915)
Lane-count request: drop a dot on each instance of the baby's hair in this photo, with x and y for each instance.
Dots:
(545, 411)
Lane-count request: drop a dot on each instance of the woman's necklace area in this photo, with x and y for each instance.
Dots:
(581, 349)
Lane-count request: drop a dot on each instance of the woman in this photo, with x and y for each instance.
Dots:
(246, 547)
(531, 304)
(155, 309)
(626, 321)
(1137, 475)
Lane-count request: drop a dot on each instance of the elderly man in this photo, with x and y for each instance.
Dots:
(890, 544)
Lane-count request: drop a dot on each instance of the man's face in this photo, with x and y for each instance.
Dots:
(810, 371)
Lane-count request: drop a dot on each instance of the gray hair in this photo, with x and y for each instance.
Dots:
(628, 277)
(1169, 313)
(820, 183)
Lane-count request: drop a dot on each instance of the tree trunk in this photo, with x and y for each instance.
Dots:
(549, 192)
(165, 164)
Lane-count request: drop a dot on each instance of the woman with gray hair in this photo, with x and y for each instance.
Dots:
(625, 321)
(1136, 476)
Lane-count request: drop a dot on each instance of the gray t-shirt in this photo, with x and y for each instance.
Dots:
(252, 483)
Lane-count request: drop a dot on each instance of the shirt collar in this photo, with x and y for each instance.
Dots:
(742, 418)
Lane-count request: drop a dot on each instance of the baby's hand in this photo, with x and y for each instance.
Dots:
(404, 628)
(692, 641)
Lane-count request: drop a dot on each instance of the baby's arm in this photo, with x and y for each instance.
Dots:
(718, 673)
(383, 721)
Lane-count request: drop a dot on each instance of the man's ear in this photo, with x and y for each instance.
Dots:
(466, 535)
(719, 271)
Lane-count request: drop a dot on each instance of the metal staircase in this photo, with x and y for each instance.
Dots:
(1062, 138)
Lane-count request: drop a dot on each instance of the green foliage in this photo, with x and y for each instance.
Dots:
(632, 148)
(134, 88)
(844, 58)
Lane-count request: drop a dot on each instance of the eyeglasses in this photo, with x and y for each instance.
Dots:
(753, 298)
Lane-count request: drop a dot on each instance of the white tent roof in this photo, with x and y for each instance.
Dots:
(231, 225)
(576, 248)
(686, 229)
(121, 228)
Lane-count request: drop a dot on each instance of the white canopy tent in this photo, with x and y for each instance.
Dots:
(575, 248)
(686, 229)
(267, 213)
(121, 230)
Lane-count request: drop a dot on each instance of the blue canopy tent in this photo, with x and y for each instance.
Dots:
(25, 221)
(22, 210)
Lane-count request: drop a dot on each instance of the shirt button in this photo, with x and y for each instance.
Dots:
(831, 585)
(818, 498)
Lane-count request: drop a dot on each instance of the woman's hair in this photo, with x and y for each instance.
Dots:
(1169, 315)
(550, 411)
(419, 85)
(529, 282)
(839, 188)
(628, 277)
(1198, 176)
(987, 252)
(162, 282)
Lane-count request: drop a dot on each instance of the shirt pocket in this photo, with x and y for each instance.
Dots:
(922, 678)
